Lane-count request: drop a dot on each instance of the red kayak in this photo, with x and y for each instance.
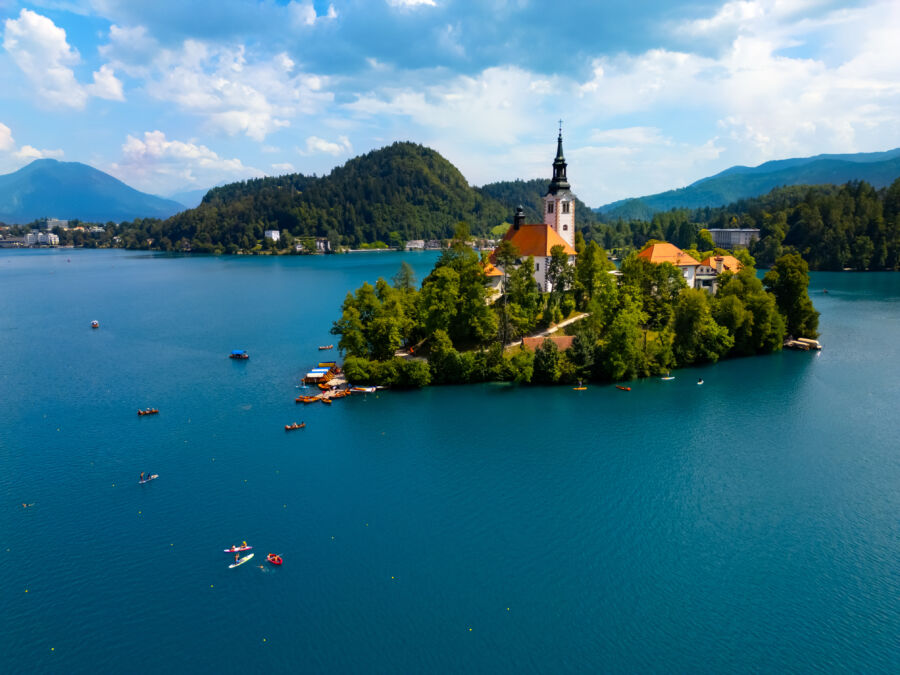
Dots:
(237, 549)
(274, 559)
(623, 388)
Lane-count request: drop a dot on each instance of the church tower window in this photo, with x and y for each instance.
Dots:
(565, 206)
(549, 207)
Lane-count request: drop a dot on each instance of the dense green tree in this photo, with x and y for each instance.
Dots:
(546, 363)
(698, 338)
(620, 355)
(788, 281)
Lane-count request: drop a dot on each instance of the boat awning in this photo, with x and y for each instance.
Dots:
(237, 351)
(315, 376)
(320, 370)
(327, 364)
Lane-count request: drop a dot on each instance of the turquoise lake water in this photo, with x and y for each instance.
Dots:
(751, 524)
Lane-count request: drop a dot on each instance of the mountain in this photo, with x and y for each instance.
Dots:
(403, 191)
(189, 198)
(740, 182)
(70, 190)
(529, 194)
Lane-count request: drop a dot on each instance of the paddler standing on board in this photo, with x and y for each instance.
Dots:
(142, 476)
(237, 556)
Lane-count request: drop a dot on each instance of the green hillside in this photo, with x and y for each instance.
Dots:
(739, 182)
(404, 191)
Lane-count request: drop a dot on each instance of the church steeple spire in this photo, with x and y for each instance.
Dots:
(559, 181)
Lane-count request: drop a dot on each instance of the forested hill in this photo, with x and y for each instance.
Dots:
(879, 169)
(529, 195)
(403, 191)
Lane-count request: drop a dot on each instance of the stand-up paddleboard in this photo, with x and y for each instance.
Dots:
(148, 479)
(668, 377)
(241, 561)
(237, 549)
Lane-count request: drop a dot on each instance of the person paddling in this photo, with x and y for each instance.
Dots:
(237, 556)
(142, 476)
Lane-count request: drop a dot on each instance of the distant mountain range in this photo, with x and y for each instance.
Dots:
(740, 182)
(70, 190)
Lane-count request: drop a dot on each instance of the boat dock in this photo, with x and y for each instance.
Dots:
(803, 344)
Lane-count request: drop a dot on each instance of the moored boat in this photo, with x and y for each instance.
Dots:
(148, 411)
(323, 348)
(239, 354)
(291, 427)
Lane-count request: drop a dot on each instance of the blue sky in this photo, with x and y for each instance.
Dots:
(173, 95)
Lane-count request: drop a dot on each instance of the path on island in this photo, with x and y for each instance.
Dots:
(544, 332)
(547, 332)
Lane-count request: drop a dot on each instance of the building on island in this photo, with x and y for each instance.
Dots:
(663, 252)
(274, 235)
(49, 223)
(733, 237)
(697, 274)
(710, 268)
(558, 228)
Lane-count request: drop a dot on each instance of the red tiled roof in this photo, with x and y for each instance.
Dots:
(491, 271)
(666, 252)
(536, 240)
(729, 263)
(562, 342)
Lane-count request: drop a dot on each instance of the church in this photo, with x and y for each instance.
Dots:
(558, 228)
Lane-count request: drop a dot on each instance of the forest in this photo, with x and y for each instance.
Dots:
(643, 322)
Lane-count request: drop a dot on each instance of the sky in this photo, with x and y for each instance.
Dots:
(175, 95)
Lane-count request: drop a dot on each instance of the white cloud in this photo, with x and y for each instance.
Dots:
(26, 153)
(284, 167)
(235, 92)
(106, 85)
(304, 14)
(6, 138)
(164, 166)
(315, 145)
(29, 153)
(40, 49)
(411, 3)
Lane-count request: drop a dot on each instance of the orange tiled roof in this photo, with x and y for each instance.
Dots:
(536, 240)
(666, 252)
(729, 263)
(563, 342)
(491, 271)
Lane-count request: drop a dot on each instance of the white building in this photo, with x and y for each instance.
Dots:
(558, 228)
(733, 237)
(274, 235)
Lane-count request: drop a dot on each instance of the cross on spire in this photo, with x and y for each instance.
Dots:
(560, 127)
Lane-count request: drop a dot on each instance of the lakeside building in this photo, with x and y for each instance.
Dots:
(697, 274)
(733, 237)
(35, 238)
(558, 228)
(274, 235)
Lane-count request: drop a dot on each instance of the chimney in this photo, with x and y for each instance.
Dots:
(719, 261)
(519, 219)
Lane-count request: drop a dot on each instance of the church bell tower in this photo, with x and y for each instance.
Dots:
(559, 202)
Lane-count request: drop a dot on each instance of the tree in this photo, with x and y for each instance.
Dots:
(405, 279)
(620, 355)
(506, 255)
(546, 363)
(591, 270)
(788, 281)
(698, 338)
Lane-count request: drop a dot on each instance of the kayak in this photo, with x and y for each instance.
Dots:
(579, 388)
(237, 549)
(241, 561)
(274, 558)
(668, 377)
(147, 480)
(619, 386)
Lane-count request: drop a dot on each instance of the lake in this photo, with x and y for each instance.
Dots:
(751, 524)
